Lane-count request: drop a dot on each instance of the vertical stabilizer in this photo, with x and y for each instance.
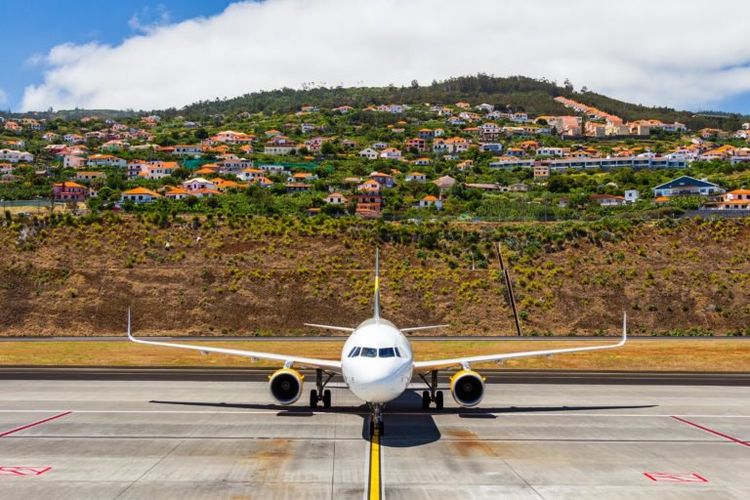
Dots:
(376, 304)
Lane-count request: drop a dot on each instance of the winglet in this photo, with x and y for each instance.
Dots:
(376, 305)
(130, 335)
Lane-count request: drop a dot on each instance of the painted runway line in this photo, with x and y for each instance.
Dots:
(374, 489)
(34, 424)
(712, 431)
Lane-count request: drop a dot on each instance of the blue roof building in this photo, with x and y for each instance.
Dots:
(687, 186)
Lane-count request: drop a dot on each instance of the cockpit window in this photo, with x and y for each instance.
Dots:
(354, 352)
(398, 354)
(387, 352)
(369, 352)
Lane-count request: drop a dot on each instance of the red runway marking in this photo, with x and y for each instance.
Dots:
(34, 424)
(23, 471)
(711, 431)
(675, 477)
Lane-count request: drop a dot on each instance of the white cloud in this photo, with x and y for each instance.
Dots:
(656, 53)
(149, 19)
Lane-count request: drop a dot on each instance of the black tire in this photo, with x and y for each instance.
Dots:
(314, 399)
(426, 400)
(439, 400)
(382, 428)
(372, 428)
(327, 398)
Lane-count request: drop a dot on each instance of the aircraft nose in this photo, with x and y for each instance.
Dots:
(377, 391)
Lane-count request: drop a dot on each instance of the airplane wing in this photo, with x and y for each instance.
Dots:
(286, 359)
(425, 366)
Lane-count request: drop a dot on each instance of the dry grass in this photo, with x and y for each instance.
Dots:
(667, 355)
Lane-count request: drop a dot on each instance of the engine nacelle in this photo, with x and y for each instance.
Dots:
(467, 388)
(286, 385)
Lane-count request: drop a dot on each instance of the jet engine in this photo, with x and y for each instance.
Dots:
(467, 388)
(286, 385)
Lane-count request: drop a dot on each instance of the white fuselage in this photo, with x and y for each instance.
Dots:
(377, 361)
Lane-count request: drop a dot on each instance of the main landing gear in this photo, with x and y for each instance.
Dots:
(376, 419)
(432, 395)
(320, 393)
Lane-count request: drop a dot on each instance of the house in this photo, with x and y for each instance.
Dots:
(249, 174)
(74, 161)
(198, 183)
(303, 177)
(518, 187)
(687, 186)
(158, 169)
(608, 200)
(68, 191)
(415, 177)
(632, 195)
(89, 175)
(384, 180)
(176, 193)
(335, 199)
(13, 156)
(106, 161)
(188, 150)
(417, 143)
(369, 153)
(223, 185)
(390, 154)
(262, 181)
(431, 201)
(541, 172)
(139, 195)
(422, 162)
(426, 134)
(738, 199)
(297, 187)
(231, 137)
(205, 193)
(73, 138)
(491, 147)
(551, 151)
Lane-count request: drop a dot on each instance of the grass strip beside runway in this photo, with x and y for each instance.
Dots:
(668, 355)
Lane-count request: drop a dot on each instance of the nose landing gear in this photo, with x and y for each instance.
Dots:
(376, 419)
(432, 395)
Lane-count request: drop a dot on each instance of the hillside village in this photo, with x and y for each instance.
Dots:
(465, 159)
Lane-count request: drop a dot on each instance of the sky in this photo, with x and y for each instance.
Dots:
(140, 54)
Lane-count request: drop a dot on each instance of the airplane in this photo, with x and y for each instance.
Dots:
(377, 364)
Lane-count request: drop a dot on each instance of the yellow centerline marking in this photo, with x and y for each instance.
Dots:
(374, 486)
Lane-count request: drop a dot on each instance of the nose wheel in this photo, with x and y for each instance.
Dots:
(376, 420)
(320, 394)
(432, 395)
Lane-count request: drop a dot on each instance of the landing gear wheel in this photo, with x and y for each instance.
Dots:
(381, 427)
(439, 400)
(426, 400)
(314, 399)
(327, 398)
(372, 428)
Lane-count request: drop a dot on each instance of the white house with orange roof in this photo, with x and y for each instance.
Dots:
(197, 184)
(248, 174)
(177, 193)
(415, 177)
(430, 201)
(13, 156)
(139, 195)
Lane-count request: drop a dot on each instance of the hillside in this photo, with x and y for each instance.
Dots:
(517, 93)
(223, 276)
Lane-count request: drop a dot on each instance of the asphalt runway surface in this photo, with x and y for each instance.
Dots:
(134, 438)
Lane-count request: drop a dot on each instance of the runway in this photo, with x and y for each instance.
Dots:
(187, 439)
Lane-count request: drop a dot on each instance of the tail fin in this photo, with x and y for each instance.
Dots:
(376, 304)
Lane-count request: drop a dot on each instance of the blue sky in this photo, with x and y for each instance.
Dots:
(142, 54)
(33, 27)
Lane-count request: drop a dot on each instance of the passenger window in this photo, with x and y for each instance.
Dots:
(369, 352)
(387, 352)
